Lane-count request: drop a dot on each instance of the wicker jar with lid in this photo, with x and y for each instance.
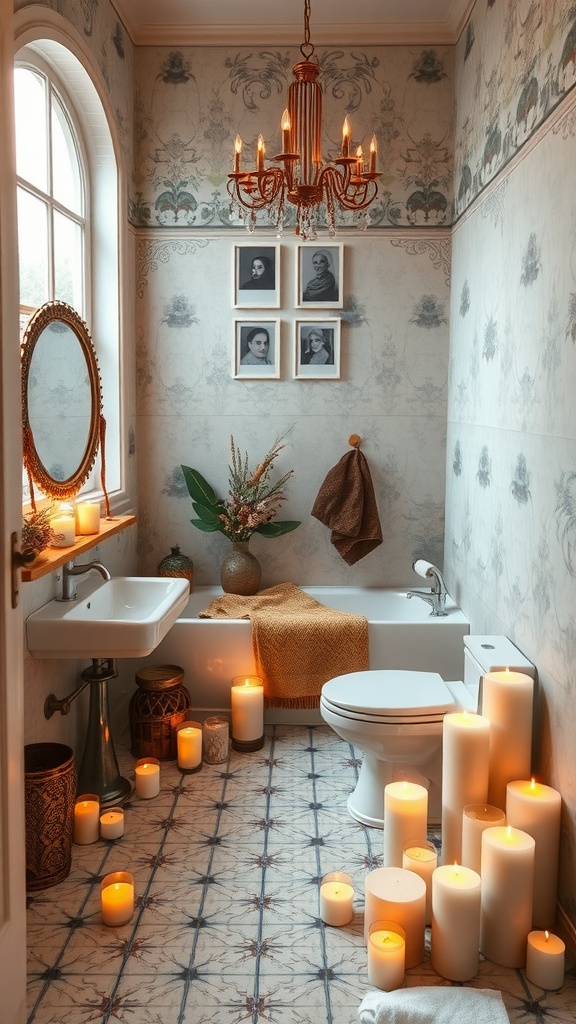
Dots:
(177, 564)
(159, 704)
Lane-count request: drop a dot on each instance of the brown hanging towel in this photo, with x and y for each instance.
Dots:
(346, 504)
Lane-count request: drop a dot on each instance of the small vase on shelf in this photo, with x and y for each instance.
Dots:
(241, 571)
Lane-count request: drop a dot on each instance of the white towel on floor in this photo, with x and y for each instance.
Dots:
(434, 1004)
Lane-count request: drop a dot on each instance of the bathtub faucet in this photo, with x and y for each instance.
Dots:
(70, 571)
(436, 596)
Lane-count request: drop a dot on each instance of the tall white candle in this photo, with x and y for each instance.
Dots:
(117, 898)
(189, 746)
(336, 899)
(545, 955)
(421, 857)
(405, 818)
(455, 935)
(507, 887)
(147, 777)
(86, 819)
(393, 894)
(536, 809)
(507, 701)
(247, 703)
(386, 955)
(112, 823)
(475, 820)
(465, 758)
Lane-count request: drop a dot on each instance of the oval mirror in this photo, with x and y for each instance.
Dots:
(61, 401)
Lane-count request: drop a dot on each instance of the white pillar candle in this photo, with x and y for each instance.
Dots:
(87, 517)
(386, 955)
(247, 704)
(475, 820)
(421, 857)
(63, 531)
(393, 894)
(507, 887)
(147, 777)
(455, 936)
(507, 701)
(536, 809)
(336, 899)
(465, 759)
(117, 898)
(545, 956)
(112, 823)
(86, 819)
(189, 746)
(405, 818)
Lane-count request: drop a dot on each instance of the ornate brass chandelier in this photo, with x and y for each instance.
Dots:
(302, 178)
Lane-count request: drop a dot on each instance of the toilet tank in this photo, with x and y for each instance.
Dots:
(491, 654)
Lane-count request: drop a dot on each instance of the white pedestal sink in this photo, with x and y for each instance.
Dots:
(124, 617)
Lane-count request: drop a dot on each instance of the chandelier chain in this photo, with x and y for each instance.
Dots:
(307, 48)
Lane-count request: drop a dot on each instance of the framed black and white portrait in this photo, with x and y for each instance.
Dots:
(256, 276)
(256, 352)
(320, 276)
(317, 346)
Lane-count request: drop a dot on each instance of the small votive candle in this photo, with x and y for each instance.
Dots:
(421, 857)
(87, 516)
(336, 899)
(189, 746)
(63, 527)
(86, 819)
(545, 960)
(386, 955)
(112, 823)
(215, 731)
(117, 898)
(147, 777)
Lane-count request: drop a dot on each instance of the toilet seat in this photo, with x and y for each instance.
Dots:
(389, 695)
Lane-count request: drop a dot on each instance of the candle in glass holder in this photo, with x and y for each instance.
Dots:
(405, 817)
(189, 746)
(86, 819)
(545, 956)
(215, 732)
(87, 517)
(112, 823)
(63, 527)
(247, 704)
(421, 857)
(117, 898)
(147, 777)
(336, 899)
(386, 955)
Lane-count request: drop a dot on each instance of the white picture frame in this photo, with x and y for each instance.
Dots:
(317, 349)
(247, 349)
(256, 275)
(320, 276)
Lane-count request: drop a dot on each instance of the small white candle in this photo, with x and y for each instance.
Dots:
(117, 898)
(87, 516)
(465, 759)
(386, 955)
(147, 777)
(63, 531)
(455, 936)
(475, 820)
(421, 857)
(536, 809)
(507, 701)
(545, 956)
(112, 823)
(189, 746)
(507, 887)
(393, 894)
(247, 704)
(86, 819)
(336, 899)
(405, 817)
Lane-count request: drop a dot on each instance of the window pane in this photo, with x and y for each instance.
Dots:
(68, 262)
(66, 180)
(31, 128)
(32, 249)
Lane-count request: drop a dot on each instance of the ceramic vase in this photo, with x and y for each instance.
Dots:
(240, 572)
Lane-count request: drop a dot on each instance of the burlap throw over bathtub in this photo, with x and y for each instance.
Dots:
(299, 644)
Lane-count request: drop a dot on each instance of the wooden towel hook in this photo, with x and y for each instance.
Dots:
(355, 440)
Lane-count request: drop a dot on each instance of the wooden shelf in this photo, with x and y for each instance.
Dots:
(53, 558)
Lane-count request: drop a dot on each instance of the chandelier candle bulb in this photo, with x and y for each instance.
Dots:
(359, 162)
(536, 809)
(336, 899)
(112, 823)
(405, 817)
(386, 955)
(87, 516)
(507, 887)
(346, 137)
(260, 151)
(373, 151)
(421, 857)
(455, 936)
(86, 819)
(117, 898)
(507, 701)
(545, 957)
(189, 746)
(237, 154)
(285, 127)
(393, 894)
(147, 777)
(475, 820)
(465, 758)
(247, 706)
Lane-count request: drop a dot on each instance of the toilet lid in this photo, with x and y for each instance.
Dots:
(391, 693)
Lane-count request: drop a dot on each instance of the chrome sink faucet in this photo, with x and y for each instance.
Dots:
(69, 573)
(436, 596)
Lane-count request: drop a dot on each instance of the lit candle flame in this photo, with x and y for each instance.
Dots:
(547, 935)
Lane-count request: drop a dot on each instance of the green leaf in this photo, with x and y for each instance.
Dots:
(277, 529)
(208, 515)
(205, 527)
(198, 488)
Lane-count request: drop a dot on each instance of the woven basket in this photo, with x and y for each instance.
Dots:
(50, 791)
(159, 704)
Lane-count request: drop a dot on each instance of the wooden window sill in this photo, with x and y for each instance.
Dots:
(53, 558)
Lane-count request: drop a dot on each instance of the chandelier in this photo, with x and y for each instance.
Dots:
(299, 175)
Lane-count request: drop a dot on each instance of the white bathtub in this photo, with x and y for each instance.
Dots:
(402, 634)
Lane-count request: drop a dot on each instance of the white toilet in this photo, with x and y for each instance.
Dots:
(395, 718)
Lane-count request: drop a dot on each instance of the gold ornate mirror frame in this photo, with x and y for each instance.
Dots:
(46, 319)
